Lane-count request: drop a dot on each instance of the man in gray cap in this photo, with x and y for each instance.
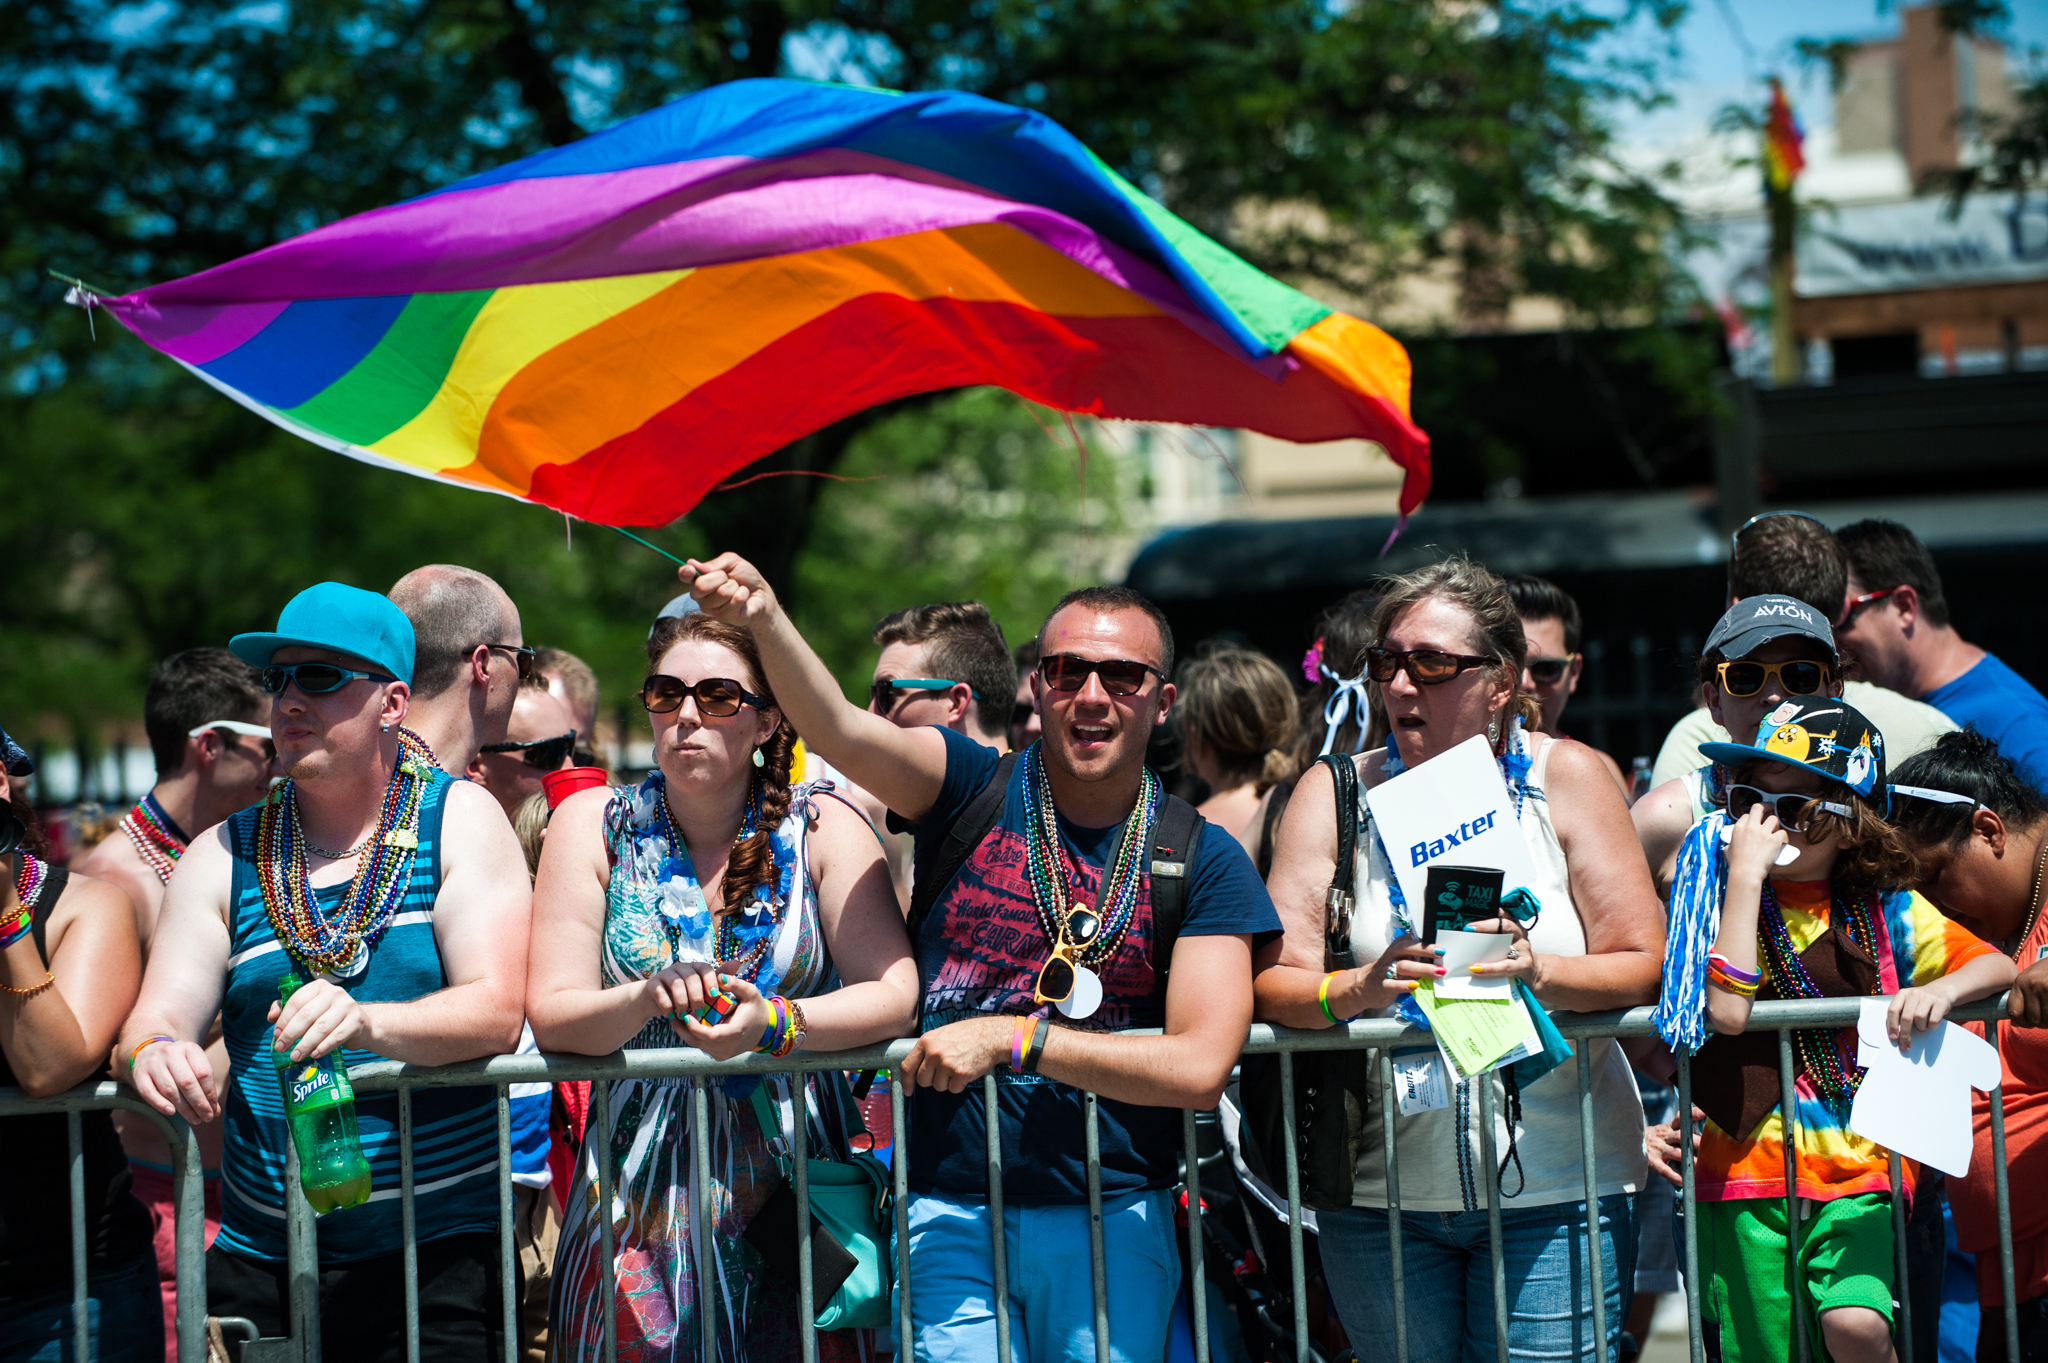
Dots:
(1763, 651)
(400, 898)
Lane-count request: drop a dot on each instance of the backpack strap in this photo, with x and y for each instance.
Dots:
(1343, 885)
(1174, 839)
(969, 828)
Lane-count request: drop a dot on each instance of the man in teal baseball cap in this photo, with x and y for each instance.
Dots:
(399, 897)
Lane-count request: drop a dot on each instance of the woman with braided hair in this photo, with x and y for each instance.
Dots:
(713, 905)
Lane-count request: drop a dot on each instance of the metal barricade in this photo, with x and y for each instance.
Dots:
(700, 1071)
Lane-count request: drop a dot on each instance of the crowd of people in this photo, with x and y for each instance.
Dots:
(393, 799)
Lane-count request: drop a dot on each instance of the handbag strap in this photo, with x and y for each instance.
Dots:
(1342, 897)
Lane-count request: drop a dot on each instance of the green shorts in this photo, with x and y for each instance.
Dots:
(1845, 1259)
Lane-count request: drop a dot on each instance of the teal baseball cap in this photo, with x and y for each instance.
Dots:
(342, 619)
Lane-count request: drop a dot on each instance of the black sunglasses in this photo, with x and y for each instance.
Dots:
(1424, 666)
(544, 753)
(1120, 676)
(1800, 677)
(522, 657)
(719, 697)
(315, 679)
(1788, 808)
(1547, 671)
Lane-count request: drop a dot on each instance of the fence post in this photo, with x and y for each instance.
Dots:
(1297, 1269)
(188, 1188)
(1595, 1264)
(1198, 1289)
(1788, 1125)
(899, 1186)
(1689, 1203)
(1489, 1155)
(409, 1229)
(2004, 1196)
(302, 1258)
(999, 1249)
(81, 1310)
(1389, 1109)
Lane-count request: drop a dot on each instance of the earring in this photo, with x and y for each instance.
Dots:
(1493, 728)
(387, 728)
(759, 760)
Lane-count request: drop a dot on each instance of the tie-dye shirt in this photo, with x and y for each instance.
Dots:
(1833, 1161)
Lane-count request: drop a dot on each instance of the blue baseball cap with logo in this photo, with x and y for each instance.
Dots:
(341, 619)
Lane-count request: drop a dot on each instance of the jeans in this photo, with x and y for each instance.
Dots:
(123, 1311)
(1449, 1277)
(1051, 1280)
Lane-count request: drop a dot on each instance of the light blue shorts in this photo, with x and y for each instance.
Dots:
(1051, 1280)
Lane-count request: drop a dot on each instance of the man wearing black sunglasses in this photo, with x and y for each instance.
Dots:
(1550, 622)
(540, 738)
(472, 660)
(1037, 1006)
(426, 963)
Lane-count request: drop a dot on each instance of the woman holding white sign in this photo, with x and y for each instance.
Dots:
(1446, 663)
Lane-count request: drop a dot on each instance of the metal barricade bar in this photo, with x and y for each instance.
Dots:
(1379, 1034)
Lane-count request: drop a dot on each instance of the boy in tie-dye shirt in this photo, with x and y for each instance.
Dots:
(1833, 922)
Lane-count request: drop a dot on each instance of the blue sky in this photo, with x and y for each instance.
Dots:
(1712, 65)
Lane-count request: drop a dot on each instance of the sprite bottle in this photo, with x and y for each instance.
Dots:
(321, 1108)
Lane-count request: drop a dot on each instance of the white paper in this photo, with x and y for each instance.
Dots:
(1453, 808)
(1463, 950)
(1419, 1081)
(1917, 1102)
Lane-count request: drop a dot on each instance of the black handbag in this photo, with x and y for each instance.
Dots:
(1331, 1088)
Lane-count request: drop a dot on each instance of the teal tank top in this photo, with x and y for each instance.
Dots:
(455, 1131)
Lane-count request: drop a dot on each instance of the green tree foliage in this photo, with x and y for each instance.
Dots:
(1341, 145)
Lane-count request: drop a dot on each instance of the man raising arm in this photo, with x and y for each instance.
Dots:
(399, 896)
(1039, 949)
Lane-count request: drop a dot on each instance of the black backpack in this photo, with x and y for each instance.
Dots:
(1174, 837)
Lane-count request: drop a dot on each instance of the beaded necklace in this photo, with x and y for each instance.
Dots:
(150, 830)
(1824, 1052)
(728, 946)
(339, 945)
(29, 881)
(1116, 900)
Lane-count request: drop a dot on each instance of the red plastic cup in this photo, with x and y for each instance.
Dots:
(560, 785)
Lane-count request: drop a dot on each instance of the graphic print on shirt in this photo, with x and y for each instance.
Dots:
(990, 943)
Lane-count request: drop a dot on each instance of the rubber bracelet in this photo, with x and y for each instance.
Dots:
(1323, 998)
(15, 927)
(1017, 1044)
(142, 1046)
(1035, 1050)
(1734, 971)
(767, 1041)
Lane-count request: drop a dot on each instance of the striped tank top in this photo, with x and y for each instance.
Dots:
(455, 1132)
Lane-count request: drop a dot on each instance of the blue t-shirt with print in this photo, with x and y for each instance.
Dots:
(980, 951)
(1998, 703)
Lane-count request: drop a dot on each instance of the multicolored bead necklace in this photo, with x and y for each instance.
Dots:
(149, 828)
(340, 944)
(28, 882)
(1052, 880)
(1825, 1052)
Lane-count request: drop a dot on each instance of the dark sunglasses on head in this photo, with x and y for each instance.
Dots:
(886, 691)
(1788, 808)
(545, 753)
(1120, 676)
(1799, 677)
(1056, 976)
(522, 658)
(1424, 666)
(719, 697)
(1548, 671)
(315, 679)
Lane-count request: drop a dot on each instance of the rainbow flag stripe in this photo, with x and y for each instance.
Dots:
(614, 327)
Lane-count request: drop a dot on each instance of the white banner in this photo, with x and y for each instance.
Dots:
(1995, 239)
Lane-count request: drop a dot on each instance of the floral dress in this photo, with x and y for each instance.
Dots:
(656, 913)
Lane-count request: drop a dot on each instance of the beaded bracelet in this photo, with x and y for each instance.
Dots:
(794, 1029)
(49, 978)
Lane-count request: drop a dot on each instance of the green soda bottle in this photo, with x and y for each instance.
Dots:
(321, 1108)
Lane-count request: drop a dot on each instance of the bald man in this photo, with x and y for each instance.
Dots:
(540, 738)
(470, 660)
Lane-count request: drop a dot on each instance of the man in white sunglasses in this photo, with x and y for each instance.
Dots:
(207, 718)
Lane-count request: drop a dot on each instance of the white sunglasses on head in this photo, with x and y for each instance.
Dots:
(232, 726)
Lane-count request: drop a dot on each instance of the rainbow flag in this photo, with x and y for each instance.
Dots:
(614, 327)
(1784, 141)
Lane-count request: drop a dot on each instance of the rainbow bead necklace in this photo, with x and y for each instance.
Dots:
(1825, 1053)
(340, 944)
(1052, 879)
(29, 880)
(154, 842)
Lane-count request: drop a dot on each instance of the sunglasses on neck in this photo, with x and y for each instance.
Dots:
(544, 753)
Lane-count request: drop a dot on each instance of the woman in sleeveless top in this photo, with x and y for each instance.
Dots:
(712, 877)
(1596, 944)
(69, 971)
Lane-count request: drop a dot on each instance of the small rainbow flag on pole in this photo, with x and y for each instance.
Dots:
(614, 327)
(1784, 141)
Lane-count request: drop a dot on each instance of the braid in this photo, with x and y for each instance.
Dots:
(752, 863)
